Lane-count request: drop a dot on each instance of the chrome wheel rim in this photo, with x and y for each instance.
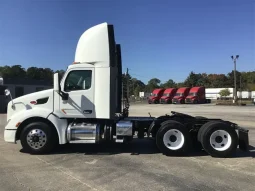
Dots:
(36, 138)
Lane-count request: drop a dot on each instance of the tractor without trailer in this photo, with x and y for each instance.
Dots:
(181, 95)
(197, 96)
(156, 95)
(74, 111)
(168, 95)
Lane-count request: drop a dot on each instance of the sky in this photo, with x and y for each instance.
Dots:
(164, 39)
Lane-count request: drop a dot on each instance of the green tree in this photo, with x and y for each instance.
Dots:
(217, 81)
(191, 80)
(153, 84)
(168, 84)
(180, 84)
(224, 92)
(60, 73)
(15, 71)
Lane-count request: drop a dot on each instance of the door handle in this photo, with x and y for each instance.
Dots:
(87, 111)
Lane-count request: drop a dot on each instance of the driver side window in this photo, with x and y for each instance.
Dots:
(78, 80)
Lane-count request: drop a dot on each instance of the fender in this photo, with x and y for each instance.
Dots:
(17, 119)
(61, 127)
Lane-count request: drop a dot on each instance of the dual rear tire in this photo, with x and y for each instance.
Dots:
(217, 138)
(173, 138)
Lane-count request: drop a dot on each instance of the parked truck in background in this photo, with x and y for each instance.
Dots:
(168, 95)
(180, 95)
(74, 111)
(156, 95)
(197, 95)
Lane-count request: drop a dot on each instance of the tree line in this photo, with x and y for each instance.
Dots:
(245, 80)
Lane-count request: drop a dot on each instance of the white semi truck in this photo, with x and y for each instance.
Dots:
(87, 107)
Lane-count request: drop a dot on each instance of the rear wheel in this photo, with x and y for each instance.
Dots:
(173, 138)
(219, 139)
(200, 132)
(38, 138)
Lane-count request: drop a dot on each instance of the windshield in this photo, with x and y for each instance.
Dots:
(179, 94)
(166, 94)
(192, 94)
(155, 95)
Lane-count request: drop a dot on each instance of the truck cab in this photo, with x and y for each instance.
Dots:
(96, 71)
(168, 95)
(156, 95)
(180, 95)
(196, 95)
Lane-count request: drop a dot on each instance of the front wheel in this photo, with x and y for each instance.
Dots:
(38, 138)
(173, 138)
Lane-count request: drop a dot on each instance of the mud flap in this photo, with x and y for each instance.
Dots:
(243, 139)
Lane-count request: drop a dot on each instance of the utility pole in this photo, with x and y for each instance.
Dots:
(127, 80)
(241, 88)
(235, 92)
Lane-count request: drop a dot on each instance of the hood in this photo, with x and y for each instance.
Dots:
(42, 98)
(178, 97)
(166, 97)
(152, 97)
(191, 97)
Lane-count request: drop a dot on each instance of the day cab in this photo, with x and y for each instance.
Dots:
(87, 107)
(156, 95)
(168, 95)
(180, 95)
(196, 95)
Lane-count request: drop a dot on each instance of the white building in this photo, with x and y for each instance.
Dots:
(213, 93)
(19, 87)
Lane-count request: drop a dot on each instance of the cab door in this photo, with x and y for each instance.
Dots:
(79, 84)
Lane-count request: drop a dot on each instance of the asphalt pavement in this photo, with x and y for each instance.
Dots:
(137, 166)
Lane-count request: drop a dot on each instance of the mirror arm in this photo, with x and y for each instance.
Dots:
(63, 95)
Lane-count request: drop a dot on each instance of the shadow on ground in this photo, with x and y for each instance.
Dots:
(136, 147)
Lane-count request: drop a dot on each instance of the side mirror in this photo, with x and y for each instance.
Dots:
(7, 92)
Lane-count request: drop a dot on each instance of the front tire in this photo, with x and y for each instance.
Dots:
(219, 140)
(38, 138)
(173, 138)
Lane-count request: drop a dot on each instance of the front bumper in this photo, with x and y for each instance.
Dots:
(163, 101)
(10, 135)
(152, 101)
(177, 101)
(188, 100)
